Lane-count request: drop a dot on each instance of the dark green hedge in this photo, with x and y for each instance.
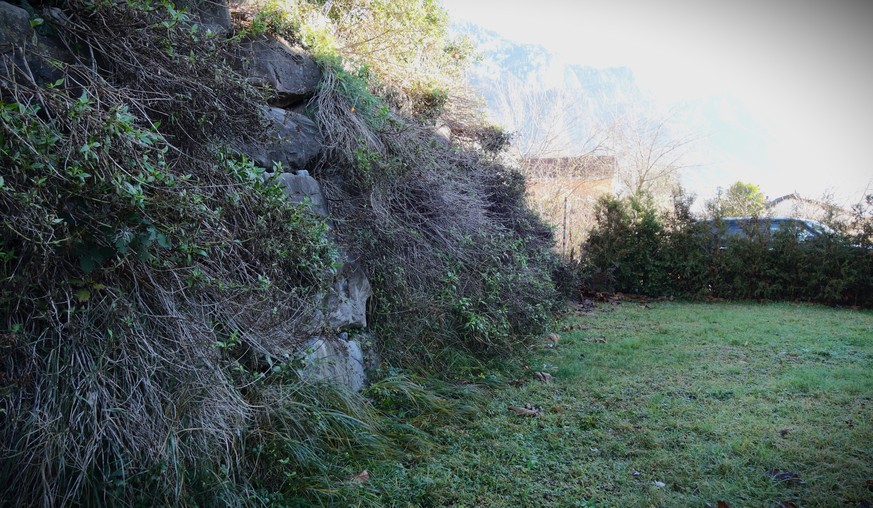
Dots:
(636, 249)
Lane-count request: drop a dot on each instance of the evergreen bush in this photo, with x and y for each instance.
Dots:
(636, 249)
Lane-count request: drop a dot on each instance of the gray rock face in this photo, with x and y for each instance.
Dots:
(302, 188)
(14, 24)
(24, 55)
(444, 135)
(292, 74)
(347, 304)
(294, 142)
(336, 361)
(214, 15)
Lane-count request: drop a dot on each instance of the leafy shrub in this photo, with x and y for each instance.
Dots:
(634, 248)
(627, 243)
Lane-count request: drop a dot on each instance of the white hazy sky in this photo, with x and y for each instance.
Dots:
(792, 79)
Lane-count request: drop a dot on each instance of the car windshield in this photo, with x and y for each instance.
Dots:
(743, 226)
(818, 227)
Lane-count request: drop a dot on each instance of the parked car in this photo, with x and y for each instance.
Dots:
(765, 228)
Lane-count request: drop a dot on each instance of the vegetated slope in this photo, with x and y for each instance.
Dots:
(156, 290)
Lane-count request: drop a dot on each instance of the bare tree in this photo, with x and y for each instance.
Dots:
(546, 122)
(649, 153)
(567, 124)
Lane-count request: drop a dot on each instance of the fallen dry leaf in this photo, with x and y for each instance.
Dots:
(361, 477)
(785, 476)
(527, 410)
(554, 338)
(718, 504)
(533, 408)
(545, 377)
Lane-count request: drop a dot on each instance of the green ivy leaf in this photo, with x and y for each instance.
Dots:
(122, 246)
(162, 240)
(87, 264)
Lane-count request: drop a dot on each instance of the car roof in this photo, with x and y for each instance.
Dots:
(813, 224)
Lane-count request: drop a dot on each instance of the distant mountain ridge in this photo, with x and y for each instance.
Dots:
(585, 96)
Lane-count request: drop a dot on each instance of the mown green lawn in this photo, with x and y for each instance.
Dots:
(677, 404)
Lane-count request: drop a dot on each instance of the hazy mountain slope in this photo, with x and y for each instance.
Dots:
(529, 90)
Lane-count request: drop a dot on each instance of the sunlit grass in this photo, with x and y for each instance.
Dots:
(706, 399)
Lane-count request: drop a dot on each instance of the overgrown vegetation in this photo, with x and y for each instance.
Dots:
(438, 227)
(456, 258)
(156, 291)
(401, 49)
(635, 248)
(148, 279)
